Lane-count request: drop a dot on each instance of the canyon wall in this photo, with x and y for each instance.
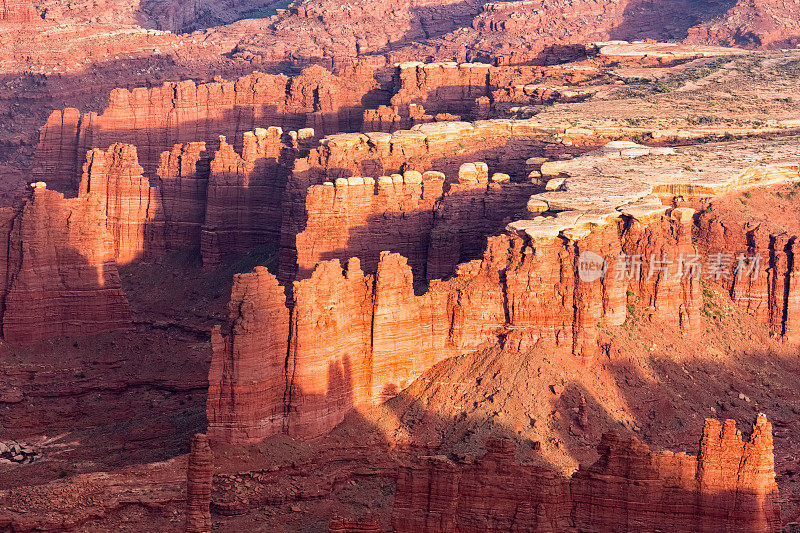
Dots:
(244, 195)
(60, 276)
(730, 484)
(222, 204)
(495, 493)
(358, 339)
(154, 120)
(408, 214)
(764, 271)
(504, 145)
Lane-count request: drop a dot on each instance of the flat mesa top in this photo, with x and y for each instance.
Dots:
(625, 178)
(627, 170)
(663, 50)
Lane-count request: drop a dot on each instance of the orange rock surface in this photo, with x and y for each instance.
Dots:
(61, 274)
(730, 483)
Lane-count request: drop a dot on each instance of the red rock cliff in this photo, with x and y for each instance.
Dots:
(494, 494)
(154, 120)
(60, 275)
(247, 379)
(359, 340)
(730, 484)
(134, 214)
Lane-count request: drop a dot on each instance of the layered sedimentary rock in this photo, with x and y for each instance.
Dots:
(730, 484)
(247, 379)
(361, 217)
(154, 120)
(60, 274)
(753, 262)
(441, 146)
(134, 214)
(243, 200)
(759, 269)
(223, 205)
(344, 525)
(359, 340)
(408, 214)
(183, 182)
(495, 493)
(767, 24)
(199, 477)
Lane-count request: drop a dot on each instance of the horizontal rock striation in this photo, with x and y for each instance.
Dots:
(154, 120)
(247, 378)
(494, 493)
(60, 276)
(358, 340)
(244, 195)
(408, 214)
(729, 484)
(225, 204)
(199, 477)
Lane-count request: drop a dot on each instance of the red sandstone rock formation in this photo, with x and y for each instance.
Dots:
(60, 274)
(134, 214)
(763, 269)
(243, 207)
(358, 341)
(183, 182)
(730, 483)
(199, 477)
(761, 24)
(495, 493)
(344, 525)
(361, 217)
(408, 214)
(154, 120)
(443, 147)
(247, 379)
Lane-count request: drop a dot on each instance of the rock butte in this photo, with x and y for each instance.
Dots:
(397, 201)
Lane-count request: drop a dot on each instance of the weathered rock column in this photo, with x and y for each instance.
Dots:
(199, 475)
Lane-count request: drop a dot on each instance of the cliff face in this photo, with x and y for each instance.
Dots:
(247, 379)
(183, 182)
(495, 493)
(60, 277)
(765, 283)
(358, 340)
(361, 217)
(243, 206)
(154, 120)
(731, 483)
(408, 214)
(134, 214)
(224, 205)
(441, 147)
